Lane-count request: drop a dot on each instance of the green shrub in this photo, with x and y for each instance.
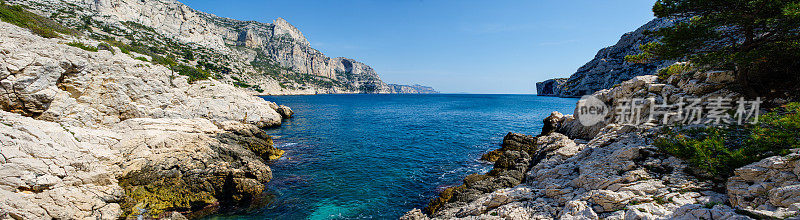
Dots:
(39, 25)
(714, 152)
(124, 48)
(142, 59)
(678, 68)
(705, 150)
(241, 84)
(166, 61)
(194, 74)
(777, 131)
(83, 46)
(105, 46)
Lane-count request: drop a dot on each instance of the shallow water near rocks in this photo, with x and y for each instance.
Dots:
(379, 156)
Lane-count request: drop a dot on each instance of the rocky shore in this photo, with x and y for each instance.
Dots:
(101, 135)
(614, 171)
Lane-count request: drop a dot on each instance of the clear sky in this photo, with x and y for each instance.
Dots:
(457, 45)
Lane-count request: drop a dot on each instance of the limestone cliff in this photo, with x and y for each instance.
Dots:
(97, 134)
(608, 68)
(266, 58)
(412, 89)
(550, 87)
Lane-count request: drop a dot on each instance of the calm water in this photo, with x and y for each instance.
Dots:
(378, 156)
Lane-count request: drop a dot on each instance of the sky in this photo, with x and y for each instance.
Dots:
(455, 46)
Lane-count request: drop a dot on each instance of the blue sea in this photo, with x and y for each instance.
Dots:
(379, 156)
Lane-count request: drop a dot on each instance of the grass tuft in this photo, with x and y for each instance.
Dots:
(39, 25)
(83, 46)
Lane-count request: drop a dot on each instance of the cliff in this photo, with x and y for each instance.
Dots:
(413, 89)
(550, 87)
(265, 58)
(608, 68)
(89, 133)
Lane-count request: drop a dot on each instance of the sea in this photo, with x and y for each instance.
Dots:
(372, 156)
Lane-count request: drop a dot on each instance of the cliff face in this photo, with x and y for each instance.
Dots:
(550, 87)
(267, 58)
(608, 68)
(101, 135)
(413, 89)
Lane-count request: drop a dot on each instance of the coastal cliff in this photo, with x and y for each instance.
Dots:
(264, 58)
(631, 171)
(99, 134)
(609, 68)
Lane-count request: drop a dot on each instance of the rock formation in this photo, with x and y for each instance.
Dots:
(614, 171)
(769, 188)
(412, 89)
(550, 87)
(102, 135)
(608, 68)
(266, 58)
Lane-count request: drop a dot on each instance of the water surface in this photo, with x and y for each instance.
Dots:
(378, 156)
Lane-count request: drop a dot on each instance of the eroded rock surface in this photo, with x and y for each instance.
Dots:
(770, 187)
(99, 135)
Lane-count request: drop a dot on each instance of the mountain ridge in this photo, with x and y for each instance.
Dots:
(265, 58)
(608, 67)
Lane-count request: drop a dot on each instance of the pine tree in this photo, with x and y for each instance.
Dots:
(758, 39)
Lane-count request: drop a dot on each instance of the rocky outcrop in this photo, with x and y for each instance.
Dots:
(102, 135)
(769, 188)
(550, 87)
(267, 58)
(46, 79)
(609, 68)
(47, 172)
(613, 171)
(517, 155)
(413, 89)
(285, 111)
(617, 175)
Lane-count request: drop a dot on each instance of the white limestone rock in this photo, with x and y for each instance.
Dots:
(770, 187)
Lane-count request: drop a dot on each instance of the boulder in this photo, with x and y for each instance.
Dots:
(285, 112)
(770, 187)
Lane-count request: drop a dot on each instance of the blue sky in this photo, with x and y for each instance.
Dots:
(455, 46)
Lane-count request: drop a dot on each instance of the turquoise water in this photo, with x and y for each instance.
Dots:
(378, 156)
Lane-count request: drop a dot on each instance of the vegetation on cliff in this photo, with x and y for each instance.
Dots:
(39, 25)
(83, 46)
(758, 39)
(715, 152)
